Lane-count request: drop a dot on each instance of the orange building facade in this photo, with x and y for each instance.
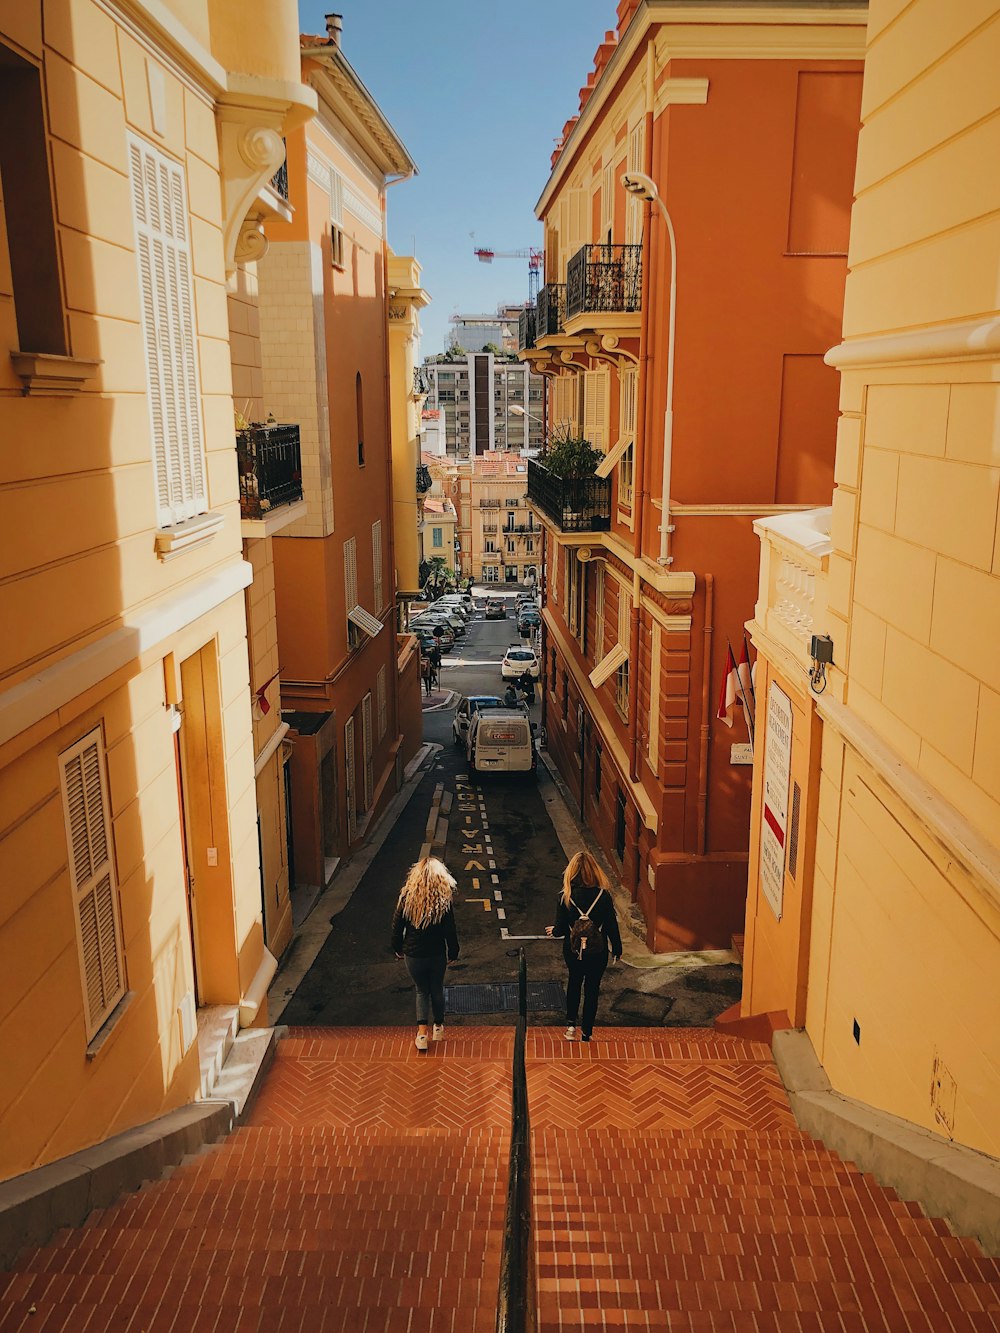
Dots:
(651, 564)
(323, 311)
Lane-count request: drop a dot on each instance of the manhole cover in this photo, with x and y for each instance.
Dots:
(643, 1006)
(500, 997)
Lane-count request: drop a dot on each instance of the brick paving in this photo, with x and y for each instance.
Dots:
(672, 1191)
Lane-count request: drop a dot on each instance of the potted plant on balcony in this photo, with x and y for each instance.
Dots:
(574, 461)
(571, 456)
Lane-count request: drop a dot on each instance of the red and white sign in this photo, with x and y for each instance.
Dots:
(777, 772)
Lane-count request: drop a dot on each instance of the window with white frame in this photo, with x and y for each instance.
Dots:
(576, 596)
(170, 342)
(367, 748)
(87, 811)
(351, 588)
(491, 573)
(377, 565)
(437, 537)
(626, 482)
(599, 618)
(636, 162)
(381, 701)
(624, 630)
(596, 385)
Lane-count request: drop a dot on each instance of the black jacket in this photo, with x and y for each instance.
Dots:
(603, 917)
(424, 941)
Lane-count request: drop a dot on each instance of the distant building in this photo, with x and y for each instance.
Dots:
(474, 332)
(486, 403)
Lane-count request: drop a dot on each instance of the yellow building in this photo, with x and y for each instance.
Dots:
(874, 908)
(137, 187)
(408, 393)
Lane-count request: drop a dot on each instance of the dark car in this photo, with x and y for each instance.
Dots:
(496, 609)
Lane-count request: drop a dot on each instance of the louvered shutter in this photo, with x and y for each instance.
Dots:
(579, 219)
(608, 203)
(627, 404)
(366, 748)
(380, 695)
(636, 160)
(624, 615)
(595, 408)
(84, 783)
(599, 625)
(163, 256)
(349, 780)
(377, 564)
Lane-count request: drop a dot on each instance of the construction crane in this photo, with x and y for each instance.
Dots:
(534, 257)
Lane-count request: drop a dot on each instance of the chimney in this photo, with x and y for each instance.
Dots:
(335, 28)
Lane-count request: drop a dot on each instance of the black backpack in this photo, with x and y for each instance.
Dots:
(585, 935)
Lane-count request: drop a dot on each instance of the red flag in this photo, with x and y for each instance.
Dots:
(728, 695)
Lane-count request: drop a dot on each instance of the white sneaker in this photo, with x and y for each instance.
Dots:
(438, 1032)
(570, 1033)
(420, 1041)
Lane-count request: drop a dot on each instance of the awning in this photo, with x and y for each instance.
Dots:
(607, 464)
(360, 617)
(608, 665)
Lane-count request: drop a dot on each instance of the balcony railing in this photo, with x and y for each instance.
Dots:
(521, 528)
(550, 310)
(424, 479)
(490, 529)
(575, 504)
(604, 279)
(489, 504)
(270, 466)
(526, 329)
(279, 181)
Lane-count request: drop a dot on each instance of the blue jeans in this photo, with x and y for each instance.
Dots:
(428, 977)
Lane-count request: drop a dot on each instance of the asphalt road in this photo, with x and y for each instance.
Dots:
(508, 860)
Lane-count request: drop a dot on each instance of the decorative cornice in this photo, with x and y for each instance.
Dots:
(970, 340)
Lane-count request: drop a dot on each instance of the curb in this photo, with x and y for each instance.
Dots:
(947, 1179)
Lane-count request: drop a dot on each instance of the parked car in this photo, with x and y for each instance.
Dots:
(463, 600)
(475, 703)
(453, 609)
(446, 637)
(528, 620)
(525, 599)
(517, 660)
(496, 609)
(448, 616)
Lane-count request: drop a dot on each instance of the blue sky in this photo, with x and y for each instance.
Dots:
(478, 92)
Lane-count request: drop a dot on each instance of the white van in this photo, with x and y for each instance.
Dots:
(501, 740)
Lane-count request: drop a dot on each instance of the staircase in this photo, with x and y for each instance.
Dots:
(672, 1190)
(366, 1192)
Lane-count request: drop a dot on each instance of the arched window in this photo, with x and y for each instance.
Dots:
(359, 396)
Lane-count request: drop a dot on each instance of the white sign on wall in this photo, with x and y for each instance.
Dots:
(777, 771)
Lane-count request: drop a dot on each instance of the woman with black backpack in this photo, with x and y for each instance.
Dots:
(587, 924)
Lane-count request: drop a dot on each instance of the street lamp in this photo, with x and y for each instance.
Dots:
(516, 410)
(641, 186)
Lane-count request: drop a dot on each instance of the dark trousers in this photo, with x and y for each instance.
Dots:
(428, 977)
(585, 975)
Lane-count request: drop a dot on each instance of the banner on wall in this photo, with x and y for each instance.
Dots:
(777, 772)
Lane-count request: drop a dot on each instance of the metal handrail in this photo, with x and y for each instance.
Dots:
(516, 1294)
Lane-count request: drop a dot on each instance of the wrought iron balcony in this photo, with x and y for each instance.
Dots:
(575, 504)
(604, 279)
(490, 529)
(279, 181)
(270, 466)
(526, 329)
(489, 504)
(550, 310)
(424, 479)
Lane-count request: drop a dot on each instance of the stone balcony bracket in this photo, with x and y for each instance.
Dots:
(251, 116)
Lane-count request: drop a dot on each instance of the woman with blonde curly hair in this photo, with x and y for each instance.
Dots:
(424, 934)
(587, 924)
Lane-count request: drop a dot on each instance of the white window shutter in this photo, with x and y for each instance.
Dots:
(84, 783)
(349, 780)
(599, 606)
(366, 748)
(636, 160)
(608, 202)
(380, 695)
(163, 256)
(377, 565)
(351, 572)
(627, 405)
